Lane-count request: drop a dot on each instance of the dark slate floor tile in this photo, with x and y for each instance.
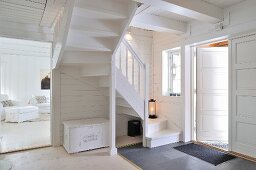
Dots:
(237, 164)
(167, 158)
(185, 163)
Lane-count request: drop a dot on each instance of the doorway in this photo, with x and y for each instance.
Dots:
(211, 94)
(25, 109)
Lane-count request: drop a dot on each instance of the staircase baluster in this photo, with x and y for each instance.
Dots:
(139, 77)
(120, 57)
(133, 71)
(126, 53)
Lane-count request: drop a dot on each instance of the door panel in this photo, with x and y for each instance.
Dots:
(246, 79)
(210, 77)
(212, 94)
(243, 109)
(214, 102)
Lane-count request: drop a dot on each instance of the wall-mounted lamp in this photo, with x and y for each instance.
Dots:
(152, 109)
(128, 36)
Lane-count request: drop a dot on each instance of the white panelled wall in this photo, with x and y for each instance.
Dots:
(170, 107)
(80, 97)
(21, 64)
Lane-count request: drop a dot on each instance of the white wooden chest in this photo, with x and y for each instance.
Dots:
(85, 134)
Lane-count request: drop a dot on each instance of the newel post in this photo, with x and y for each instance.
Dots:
(112, 108)
(146, 93)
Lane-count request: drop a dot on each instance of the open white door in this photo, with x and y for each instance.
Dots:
(243, 112)
(212, 94)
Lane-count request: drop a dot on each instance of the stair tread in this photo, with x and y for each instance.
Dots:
(164, 133)
(156, 121)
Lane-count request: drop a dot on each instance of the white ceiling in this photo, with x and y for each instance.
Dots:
(146, 9)
(224, 3)
(18, 47)
(35, 12)
(22, 11)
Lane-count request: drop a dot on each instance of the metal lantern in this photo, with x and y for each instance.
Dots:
(152, 109)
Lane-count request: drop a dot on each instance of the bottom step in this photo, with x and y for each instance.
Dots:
(163, 137)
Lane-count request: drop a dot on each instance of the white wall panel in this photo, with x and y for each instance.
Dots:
(242, 136)
(80, 97)
(169, 107)
(246, 79)
(245, 52)
(246, 106)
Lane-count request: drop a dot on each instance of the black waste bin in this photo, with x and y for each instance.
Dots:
(134, 128)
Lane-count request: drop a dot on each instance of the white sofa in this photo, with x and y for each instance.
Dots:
(21, 113)
(44, 107)
(16, 112)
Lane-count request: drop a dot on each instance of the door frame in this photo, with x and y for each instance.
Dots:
(193, 86)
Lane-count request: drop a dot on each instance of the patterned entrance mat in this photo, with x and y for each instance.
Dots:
(206, 154)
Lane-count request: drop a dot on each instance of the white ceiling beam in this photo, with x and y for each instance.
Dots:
(195, 9)
(141, 9)
(159, 23)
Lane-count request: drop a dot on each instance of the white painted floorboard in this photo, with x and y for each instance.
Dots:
(25, 135)
(58, 159)
(122, 141)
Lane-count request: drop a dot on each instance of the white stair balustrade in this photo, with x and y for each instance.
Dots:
(131, 76)
(132, 84)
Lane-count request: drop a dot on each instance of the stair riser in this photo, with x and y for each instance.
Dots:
(152, 128)
(151, 143)
(104, 81)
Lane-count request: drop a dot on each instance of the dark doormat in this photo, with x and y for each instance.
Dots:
(209, 155)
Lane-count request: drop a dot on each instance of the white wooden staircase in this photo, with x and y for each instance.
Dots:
(96, 33)
(96, 28)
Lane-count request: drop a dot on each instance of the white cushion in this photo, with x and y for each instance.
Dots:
(4, 97)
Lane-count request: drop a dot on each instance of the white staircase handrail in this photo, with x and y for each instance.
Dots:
(134, 54)
(128, 59)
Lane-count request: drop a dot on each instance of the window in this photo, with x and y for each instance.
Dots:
(171, 73)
